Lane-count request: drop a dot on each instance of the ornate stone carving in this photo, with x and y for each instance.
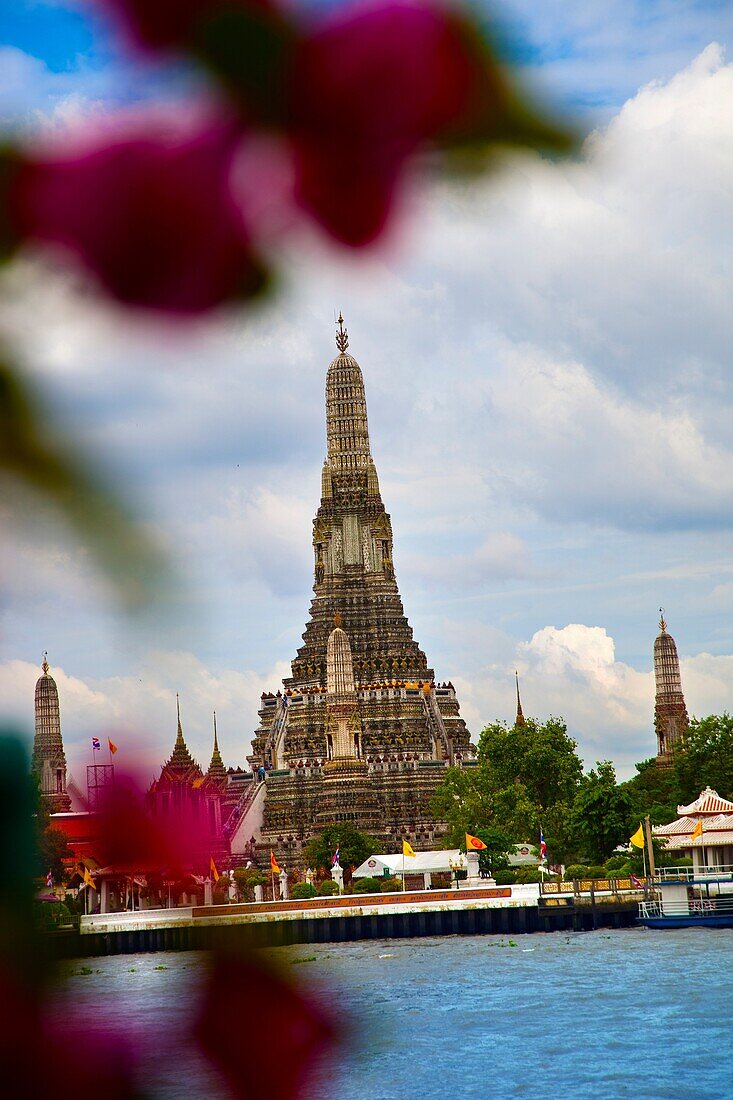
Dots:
(366, 542)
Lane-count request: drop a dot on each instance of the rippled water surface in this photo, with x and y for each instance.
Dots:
(605, 1014)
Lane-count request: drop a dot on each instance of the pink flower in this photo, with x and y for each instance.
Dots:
(153, 216)
(274, 1052)
(367, 91)
(169, 24)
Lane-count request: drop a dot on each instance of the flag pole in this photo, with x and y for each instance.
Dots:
(403, 866)
(648, 835)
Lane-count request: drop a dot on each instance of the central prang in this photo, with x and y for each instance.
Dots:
(402, 729)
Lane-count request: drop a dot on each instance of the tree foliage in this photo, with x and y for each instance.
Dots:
(705, 757)
(540, 756)
(602, 812)
(355, 847)
(526, 779)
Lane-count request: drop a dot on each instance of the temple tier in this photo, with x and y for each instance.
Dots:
(48, 763)
(403, 728)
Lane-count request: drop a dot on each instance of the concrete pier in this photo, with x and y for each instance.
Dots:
(488, 910)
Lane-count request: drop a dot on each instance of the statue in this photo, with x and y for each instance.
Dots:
(337, 874)
(310, 876)
(283, 876)
(320, 568)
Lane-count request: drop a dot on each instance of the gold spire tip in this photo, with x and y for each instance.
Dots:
(342, 336)
(662, 620)
(45, 665)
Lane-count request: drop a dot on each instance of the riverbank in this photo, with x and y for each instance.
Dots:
(515, 910)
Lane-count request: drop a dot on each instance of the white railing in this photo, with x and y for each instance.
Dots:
(687, 874)
(693, 907)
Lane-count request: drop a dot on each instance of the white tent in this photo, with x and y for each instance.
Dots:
(422, 863)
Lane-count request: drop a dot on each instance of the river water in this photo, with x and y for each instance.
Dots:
(600, 1015)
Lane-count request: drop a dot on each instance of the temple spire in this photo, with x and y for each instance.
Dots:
(180, 759)
(670, 711)
(342, 336)
(216, 771)
(49, 760)
(347, 429)
(519, 721)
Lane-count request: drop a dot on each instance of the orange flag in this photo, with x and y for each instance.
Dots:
(112, 746)
(473, 844)
(273, 864)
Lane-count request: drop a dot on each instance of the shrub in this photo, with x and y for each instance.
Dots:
(303, 890)
(617, 863)
(328, 888)
(390, 885)
(51, 914)
(246, 879)
(527, 874)
(580, 870)
(366, 886)
(505, 878)
(576, 870)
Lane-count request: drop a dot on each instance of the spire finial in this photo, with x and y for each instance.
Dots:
(662, 620)
(342, 336)
(178, 715)
(216, 743)
(45, 665)
(520, 716)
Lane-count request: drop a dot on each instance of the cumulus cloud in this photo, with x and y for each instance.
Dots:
(549, 400)
(573, 672)
(138, 709)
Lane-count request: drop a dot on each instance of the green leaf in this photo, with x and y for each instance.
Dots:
(248, 49)
(35, 456)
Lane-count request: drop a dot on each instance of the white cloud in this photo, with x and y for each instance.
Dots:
(549, 397)
(139, 708)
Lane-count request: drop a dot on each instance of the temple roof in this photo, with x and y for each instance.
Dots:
(216, 771)
(708, 802)
(180, 765)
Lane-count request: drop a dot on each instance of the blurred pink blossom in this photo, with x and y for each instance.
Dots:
(152, 215)
(368, 88)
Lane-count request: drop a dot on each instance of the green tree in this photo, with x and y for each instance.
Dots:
(355, 847)
(705, 757)
(540, 756)
(53, 850)
(246, 879)
(525, 776)
(602, 812)
(654, 791)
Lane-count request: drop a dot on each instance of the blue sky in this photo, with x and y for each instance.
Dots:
(547, 369)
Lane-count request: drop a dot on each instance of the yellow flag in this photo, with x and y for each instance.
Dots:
(212, 868)
(88, 880)
(697, 831)
(473, 843)
(112, 746)
(638, 838)
(407, 848)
